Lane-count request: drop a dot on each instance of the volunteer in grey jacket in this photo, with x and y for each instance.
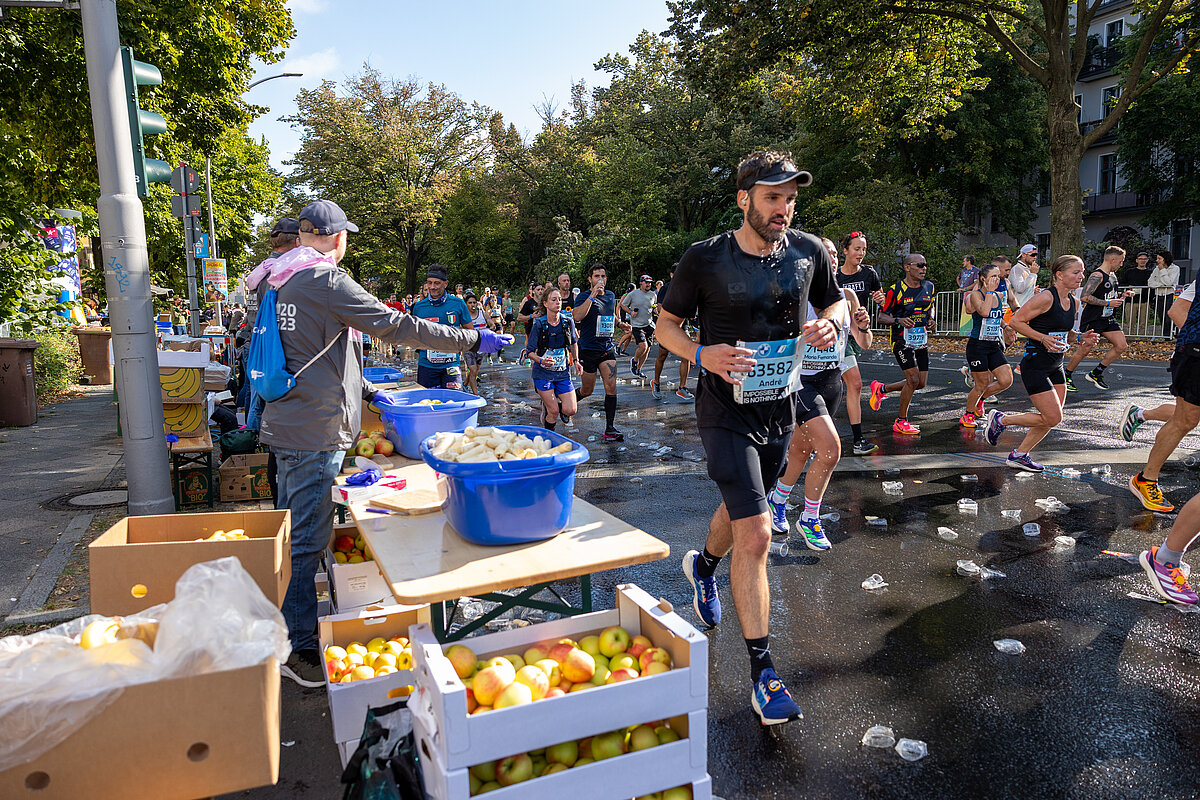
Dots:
(310, 428)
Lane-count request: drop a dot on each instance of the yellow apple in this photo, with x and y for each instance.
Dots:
(613, 640)
(384, 670)
(335, 652)
(393, 647)
(535, 654)
(99, 633)
(384, 660)
(535, 678)
(622, 674)
(590, 645)
(552, 670)
(578, 666)
(362, 673)
(642, 737)
(655, 667)
(515, 694)
(376, 645)
(654, 655)
(493, 680)
(621, 661)
(638, 645)
(515, 660)
(462, 659)
(357, 647)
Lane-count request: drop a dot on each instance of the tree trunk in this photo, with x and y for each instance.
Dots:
(1066, 148)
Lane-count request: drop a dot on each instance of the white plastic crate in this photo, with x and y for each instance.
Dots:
(626, 776)
(348, 702)
(324, 604)
(461, 740)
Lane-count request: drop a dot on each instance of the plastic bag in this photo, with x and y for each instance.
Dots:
(385, 765)
(50, 686)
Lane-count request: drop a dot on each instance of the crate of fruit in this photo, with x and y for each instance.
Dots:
(368, 662)
(354, 578)
(590, 673)
(658, 758)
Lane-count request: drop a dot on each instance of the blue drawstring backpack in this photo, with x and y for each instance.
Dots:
(266, 364)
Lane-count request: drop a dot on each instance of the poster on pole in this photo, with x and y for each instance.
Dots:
(216, 283)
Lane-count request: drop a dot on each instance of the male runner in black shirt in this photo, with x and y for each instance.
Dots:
(751, 287)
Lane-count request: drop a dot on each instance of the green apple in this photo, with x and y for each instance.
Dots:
(590, 645)
(515, 660)
(553, 768)
(642, 737)
(623, 660)
(539, 766)
(490, 786)
(608, 745)
(678, 793)
(535, 654)
(583, 761)
(566, 753)
(601, 676)
(613, 640)
(474, 783)
(514, 769)
(666, 735)
(485, 772)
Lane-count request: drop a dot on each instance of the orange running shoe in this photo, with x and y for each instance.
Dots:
(905, 427)
(967, 420)
(877, 395)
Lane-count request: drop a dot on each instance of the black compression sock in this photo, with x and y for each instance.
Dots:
(856, 430)
(610, 410)
(706, 563)
(760, 656)
(1098, 371)
(1068, 373)
(550, 425)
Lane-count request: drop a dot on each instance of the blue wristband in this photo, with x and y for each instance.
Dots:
(697, 358)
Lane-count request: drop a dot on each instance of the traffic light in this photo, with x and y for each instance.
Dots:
(143, 123)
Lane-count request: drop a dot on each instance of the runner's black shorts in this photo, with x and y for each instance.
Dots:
(1039, 377)
(643, 333)
(910, 358)
(1185, 377)
(743, 470)
(1100, 325)
(439, 377)
(985, 356)
(818, 394)
(592, 359)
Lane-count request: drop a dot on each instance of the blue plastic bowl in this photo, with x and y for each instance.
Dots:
(382, 374)
(510, 502)
(407, 424)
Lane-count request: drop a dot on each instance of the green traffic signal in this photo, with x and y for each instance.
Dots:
(143, 123)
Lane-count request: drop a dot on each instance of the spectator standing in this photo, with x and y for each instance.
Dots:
(1022, 281)
(1162, 282)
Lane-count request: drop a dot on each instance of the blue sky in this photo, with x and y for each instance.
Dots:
(506, 55)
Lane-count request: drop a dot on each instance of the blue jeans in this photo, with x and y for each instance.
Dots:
(305, 478)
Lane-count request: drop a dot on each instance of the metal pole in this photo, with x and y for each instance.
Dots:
(189, 246)
(213, 250)
(126, 269)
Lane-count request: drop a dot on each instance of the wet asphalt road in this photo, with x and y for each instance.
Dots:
(1103, 704)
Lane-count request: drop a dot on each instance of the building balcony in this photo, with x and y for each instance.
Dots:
(1115, 203)
(1099, 62)
(1087, 127)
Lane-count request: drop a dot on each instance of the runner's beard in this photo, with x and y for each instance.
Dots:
(762, 227)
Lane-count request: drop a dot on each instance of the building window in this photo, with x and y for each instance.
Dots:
(1043, 245)
(995, 222)
(1113, 32)
(973, 216)
(1181, 238)
(1108, 174)
(1111, 95)
(1043, 188)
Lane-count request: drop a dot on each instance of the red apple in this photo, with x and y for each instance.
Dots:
(578, 666)
(559, 651)
(638, 645)
(343, 544)
(365, 448)
(622, 674)
(515, 694)
(491, 681)
(535, 678)
(385, 447)
(554, 692)
(654, 655)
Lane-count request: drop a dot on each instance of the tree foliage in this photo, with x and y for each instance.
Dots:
(391, 152)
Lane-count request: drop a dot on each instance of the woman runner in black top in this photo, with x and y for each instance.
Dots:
(1046, 321)
(989, 368)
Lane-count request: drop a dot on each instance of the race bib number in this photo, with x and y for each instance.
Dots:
(816, 360)
(990, 330)
(774, 376)
(1061, 338)
(559, 356)
(1107, 311)
(435, 357)
(915, 336)
(605, 325)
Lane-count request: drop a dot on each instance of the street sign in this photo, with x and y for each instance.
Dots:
(185, 205)
(215, 278)
(202, 246)
(184, 179)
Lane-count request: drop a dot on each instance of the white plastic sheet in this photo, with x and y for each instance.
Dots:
(49, 685)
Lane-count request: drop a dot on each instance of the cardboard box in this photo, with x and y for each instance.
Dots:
(181, 384)
(461, 740)
(354, 586)
(193, 486)
(244, 477)
(639, 773)
(216, 377)
(348, 702)
(185, 419)
(136, 563)
(178, 739)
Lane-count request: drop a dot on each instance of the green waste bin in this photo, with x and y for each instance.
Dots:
(18, 392)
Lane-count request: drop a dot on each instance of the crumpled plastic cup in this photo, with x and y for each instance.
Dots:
(879, 736)
(912, 749)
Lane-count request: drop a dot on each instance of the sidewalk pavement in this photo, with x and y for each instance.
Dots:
(73, 448)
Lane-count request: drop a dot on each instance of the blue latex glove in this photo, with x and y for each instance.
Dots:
(367, 477)
(491, 342)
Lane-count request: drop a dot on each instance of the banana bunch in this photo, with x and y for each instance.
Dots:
(183, 418)
(182, 382)
(226, 536)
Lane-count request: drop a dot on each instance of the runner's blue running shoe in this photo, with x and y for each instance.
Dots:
(995, 426)
(771, 700)
(814, 537)
(705, 601)
(779, 522)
